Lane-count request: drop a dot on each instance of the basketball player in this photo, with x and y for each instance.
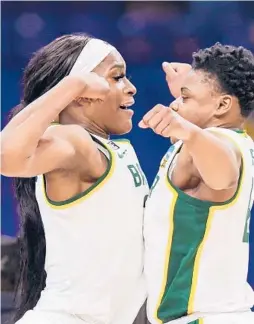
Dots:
(73, 184)
(198, 212)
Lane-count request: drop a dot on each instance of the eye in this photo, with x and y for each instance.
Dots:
(119, 77)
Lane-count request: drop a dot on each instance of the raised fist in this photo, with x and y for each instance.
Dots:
(96, 87)
(175, 75)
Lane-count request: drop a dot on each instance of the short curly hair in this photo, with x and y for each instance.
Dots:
(233, 68)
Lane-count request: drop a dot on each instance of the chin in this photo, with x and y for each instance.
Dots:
(123, 129)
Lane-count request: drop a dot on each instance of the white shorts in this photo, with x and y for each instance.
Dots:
(47, 317)
(229, 318)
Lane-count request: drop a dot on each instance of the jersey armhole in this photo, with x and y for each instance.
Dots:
(86, 193)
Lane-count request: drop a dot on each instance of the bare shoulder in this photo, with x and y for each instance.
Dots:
(71, 132)
(191, 177)
(229, 142)
(84, 167)
(64, 147)
(74, 138)
(87, 159)
(85, 155)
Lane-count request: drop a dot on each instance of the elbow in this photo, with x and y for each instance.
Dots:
(4, 169)
(6, 166)
(11, 164)
(11, 158)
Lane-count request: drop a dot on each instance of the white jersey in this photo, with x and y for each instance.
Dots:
(196, 252)
(94, 243)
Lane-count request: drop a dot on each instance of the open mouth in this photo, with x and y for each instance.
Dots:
(127, 105)
(123, 107)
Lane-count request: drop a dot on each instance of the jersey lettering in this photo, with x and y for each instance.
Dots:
(137, 175)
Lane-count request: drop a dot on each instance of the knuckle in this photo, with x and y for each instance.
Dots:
(164, 133)
(152, 123)
(146, 119)
(169, 112)
(158, 130)
(159, 107)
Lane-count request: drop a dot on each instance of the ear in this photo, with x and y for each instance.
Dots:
(224, 105)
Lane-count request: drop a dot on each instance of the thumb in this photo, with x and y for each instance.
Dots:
(169, 70)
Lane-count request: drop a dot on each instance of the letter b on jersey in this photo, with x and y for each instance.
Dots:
(137, 175)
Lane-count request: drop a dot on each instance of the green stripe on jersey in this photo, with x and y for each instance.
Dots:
(189, 228)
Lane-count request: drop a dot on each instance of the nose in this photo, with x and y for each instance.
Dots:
(175, 104)
(130, 89)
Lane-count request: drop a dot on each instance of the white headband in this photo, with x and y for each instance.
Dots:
(92, 55)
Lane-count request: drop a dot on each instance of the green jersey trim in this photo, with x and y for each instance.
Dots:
(123, 140)
(83, 195)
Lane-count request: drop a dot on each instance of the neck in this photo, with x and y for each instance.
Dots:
(95, 130)
(238, 123)
(88, 125)
(227, 125)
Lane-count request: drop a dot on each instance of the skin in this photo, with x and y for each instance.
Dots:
(211, 162)
(105, 118)
(66, 153)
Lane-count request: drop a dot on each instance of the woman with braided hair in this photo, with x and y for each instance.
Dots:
(198, 213)
(80, 194)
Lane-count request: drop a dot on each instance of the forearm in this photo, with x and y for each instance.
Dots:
(215, 160)
(24, 131)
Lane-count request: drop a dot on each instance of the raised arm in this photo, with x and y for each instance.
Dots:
(29, 146)
(216, 158)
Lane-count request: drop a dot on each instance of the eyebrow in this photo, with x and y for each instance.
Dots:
(117, 66)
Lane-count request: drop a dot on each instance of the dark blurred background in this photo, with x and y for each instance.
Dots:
(146, 33)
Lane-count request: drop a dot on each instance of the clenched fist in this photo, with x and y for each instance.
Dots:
(175, 75)
(96, 87)
(167, 123)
